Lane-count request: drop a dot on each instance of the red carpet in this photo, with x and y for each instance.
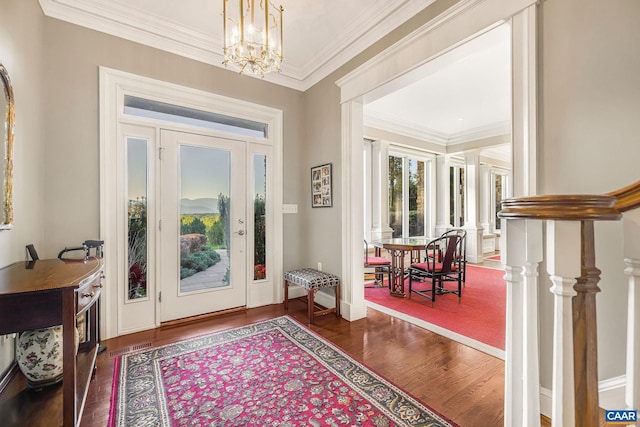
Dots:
(480, 316)
(494, 258)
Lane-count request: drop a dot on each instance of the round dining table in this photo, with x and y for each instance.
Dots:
(397, 248)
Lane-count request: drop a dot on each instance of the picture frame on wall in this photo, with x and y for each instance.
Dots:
(321, 195)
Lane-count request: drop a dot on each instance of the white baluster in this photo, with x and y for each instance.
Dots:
(563, 266)
(513, 370)
(513, 238)
(631, 233)
(632, 391)
(522, 366)
(531, 343)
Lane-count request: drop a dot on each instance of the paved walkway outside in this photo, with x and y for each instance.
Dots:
(213, 277)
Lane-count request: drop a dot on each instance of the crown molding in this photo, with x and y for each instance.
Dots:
(402, 127)
(365, 35)
(148, 30)
(131, 24)
(481, 132)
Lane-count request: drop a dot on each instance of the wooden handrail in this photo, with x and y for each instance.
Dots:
(586, 209)
(573, 207)
(627, 198)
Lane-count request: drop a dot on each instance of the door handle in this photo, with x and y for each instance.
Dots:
(241, 232)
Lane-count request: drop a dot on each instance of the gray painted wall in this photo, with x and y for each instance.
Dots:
(589, 139)
(21, 52)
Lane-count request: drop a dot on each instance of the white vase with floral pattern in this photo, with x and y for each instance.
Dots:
(39, 356)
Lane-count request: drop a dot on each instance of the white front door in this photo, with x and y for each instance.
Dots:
(153, 158)
(202, 225)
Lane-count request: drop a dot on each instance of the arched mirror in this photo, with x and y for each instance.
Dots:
(6, 148)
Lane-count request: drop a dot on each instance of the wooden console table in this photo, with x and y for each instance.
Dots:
(40, 294)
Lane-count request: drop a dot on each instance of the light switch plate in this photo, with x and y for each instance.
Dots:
(289, 208)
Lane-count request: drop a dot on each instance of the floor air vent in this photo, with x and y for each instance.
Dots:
(129, 349)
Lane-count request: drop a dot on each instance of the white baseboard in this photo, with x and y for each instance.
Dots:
(545, 402)
(328, 299)
(611, 392)
(610, 395)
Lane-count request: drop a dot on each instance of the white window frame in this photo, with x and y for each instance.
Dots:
(458, 199)
(429, 188)
(506, 191)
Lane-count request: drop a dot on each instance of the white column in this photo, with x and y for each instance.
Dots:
(352, 305)
(380, 190)
(563, 266)
(471, 206)
(367, 203)
(631, 232)
(522, 377)
(443, 194)
(524, 97)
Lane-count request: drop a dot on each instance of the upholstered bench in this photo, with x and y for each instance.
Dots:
(312, 280)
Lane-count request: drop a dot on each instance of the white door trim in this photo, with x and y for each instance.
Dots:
(113, 86)
(400, 65)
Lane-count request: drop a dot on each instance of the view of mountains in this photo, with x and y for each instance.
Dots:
(206, 205)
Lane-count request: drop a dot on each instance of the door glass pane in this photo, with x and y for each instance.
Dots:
(259, 209)
(395, 195)
(416, 197)
(137, 217)
(205, 188)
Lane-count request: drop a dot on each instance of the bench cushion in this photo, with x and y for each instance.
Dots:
(310, 278)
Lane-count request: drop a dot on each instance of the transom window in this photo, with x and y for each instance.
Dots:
(147, 108)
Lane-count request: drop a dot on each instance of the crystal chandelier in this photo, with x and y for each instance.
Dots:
(252, 36)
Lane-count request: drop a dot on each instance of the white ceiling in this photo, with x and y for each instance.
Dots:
(319, 36)
(463, 95)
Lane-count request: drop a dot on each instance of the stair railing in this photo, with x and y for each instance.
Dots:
(569, 225)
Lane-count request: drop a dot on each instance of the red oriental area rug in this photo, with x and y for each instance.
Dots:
(275, 373)
(480, 316)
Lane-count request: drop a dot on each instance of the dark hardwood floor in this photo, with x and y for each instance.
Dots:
(464, 384)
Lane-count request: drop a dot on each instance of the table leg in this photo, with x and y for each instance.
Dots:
(69, 403)
(397, 273)
(378, 275)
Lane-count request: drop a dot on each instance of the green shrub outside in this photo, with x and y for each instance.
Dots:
(198, 261)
